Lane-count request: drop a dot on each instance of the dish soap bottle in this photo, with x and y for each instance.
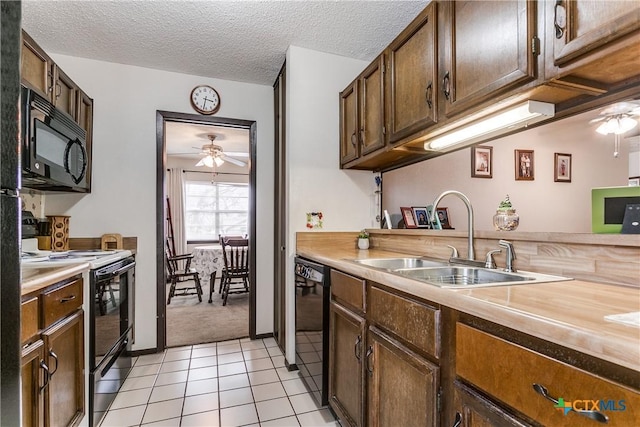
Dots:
(506, 218)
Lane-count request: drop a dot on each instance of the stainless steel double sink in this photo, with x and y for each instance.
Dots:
(446, 275)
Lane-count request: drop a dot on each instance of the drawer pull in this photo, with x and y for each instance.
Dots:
(429, 95)
(55, 357)
(67, 299)
(594, 415)
(357, 348)
(368, 356)
(47, 375)
(458, 420)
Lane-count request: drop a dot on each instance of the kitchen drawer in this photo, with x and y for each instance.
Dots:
(28, 319)
(348, 290)
(414, 322)
(508, 371)
(60, 302)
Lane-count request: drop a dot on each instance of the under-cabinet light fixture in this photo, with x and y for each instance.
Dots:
(495, 125)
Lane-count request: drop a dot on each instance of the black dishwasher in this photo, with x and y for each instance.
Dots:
(312, 281)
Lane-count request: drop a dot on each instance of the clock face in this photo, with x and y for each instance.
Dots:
(205, 99)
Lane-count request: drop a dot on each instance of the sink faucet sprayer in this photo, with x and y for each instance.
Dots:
(465, 199)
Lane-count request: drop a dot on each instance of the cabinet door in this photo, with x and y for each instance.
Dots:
(349, 146)
(64, 397)
(372, 106)
(64, 92)
(402, 387)
(84, 117)
(346, 344)
(473, 410)
(35, 67)
(33, 377)
(488, 50)
(581, 26)
(412, 61)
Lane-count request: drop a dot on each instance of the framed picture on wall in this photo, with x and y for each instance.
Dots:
(562, 167)
(524, 165)
(481, 162)
(421, 216)
(407, 216)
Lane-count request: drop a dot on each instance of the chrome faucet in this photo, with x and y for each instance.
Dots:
(465, 199)
(511, 255)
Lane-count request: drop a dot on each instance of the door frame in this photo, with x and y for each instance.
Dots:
(163, 117)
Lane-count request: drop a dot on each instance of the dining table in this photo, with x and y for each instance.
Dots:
(206, 260)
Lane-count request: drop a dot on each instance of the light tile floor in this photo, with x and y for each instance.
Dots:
(230, 383)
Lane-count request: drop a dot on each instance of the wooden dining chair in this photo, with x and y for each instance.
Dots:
(235, 253)
(181, 279)
(222, 238)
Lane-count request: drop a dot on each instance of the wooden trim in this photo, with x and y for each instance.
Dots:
(168, 116)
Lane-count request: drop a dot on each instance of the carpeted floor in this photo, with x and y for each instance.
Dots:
(192, 322)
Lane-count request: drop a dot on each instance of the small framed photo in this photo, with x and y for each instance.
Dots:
(524, 165)
(407, 216)
(562, 167)
(421, 216)
(443, 217)
(481, 162)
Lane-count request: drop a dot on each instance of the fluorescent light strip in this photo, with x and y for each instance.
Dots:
(514, 117)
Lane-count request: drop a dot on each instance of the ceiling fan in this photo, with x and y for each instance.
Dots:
(213, 154)
(618, 119)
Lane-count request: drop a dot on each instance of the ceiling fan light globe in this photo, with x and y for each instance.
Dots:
(218, 161)
(208, 161)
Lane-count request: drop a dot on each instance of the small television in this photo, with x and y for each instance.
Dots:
(608, 207)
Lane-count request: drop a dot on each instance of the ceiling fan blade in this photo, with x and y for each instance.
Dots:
(232, 160)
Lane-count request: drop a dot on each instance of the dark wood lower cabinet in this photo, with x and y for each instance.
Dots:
(64, 347)
(346, 353)
(402, 387)
(473, 410)
(33, 375)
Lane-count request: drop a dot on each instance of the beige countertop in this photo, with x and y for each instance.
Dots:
(568, 313)
(34, 279)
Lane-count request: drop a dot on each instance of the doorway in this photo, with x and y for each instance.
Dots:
(163, 120)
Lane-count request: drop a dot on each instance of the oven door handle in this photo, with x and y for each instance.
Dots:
(115, 357)
(116, 273)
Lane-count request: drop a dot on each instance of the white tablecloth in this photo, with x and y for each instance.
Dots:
(206, 260)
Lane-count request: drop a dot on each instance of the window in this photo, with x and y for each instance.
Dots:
(213, 209)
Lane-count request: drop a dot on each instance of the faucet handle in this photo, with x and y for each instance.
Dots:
(490, 262)
(509, 246)
(454, 252)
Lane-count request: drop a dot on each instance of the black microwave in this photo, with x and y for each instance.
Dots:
(54, 149)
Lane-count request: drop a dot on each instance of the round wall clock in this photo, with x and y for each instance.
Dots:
(205, 99)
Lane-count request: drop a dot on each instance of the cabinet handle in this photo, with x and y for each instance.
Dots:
(368, 356)
(362, 137)
(47, 375)
(67, 299)
(353, 139)
(446, 85)
(50, 76)
(429, 95)
(58, 90)
(357, 348)
(559, 21)
(55, 357)
(457, 422)
(594, 415)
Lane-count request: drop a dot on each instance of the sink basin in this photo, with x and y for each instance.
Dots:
(399, 263)
(465, 277)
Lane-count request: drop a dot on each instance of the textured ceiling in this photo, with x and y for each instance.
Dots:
(233, 40)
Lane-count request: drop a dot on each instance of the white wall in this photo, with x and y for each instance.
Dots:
(123, 196)
(543, 205)
(315, 181)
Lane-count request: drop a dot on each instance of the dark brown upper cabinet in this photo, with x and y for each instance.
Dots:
(372, 126)
(413, 97)
(489, 48)
(349, 145)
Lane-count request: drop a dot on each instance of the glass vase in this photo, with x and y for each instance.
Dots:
(506, 220)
